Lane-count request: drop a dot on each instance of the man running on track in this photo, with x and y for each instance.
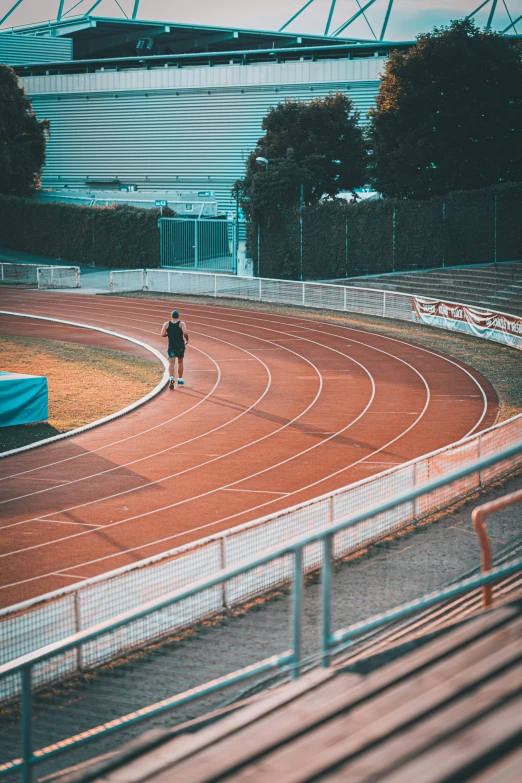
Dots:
(178, 336)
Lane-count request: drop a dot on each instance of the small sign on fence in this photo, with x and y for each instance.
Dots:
(160, 203)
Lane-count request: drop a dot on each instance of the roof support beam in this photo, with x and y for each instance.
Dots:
(135, 9)
(60, 10)
(512, 24)
(491, 14)
(305, 6)
(13, 8)
(332, 9)
(96, 4)
(386, 18)
(353, 18)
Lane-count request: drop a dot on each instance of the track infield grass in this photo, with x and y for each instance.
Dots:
(82, 382)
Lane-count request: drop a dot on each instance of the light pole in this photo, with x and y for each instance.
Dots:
(263, 162)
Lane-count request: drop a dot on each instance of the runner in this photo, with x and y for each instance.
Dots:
(176, 331)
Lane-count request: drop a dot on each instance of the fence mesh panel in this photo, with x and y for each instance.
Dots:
(364, 301)
(58, 277)
(19, 273)
(330, 297)
(398, 306)
(127, 280)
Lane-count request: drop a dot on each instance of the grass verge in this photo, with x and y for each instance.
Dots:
(81, 381)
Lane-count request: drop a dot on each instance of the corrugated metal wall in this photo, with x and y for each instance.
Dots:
(16, 49)
(192, 138)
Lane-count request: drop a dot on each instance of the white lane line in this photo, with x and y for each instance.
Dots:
(161, 451)
(129, 437)
(256, 491)
(261, 505)
(302, 488)
(187, 470)
(65, 522)
(68, 576)
(291, 320)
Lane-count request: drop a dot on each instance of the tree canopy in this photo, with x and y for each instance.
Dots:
(316, 145)
(448, 114)
(23, 138)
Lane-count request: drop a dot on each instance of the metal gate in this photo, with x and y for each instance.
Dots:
(202, 243)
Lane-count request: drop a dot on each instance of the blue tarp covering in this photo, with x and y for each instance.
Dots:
(23, 399)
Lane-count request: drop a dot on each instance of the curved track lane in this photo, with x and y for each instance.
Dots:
(277, 409)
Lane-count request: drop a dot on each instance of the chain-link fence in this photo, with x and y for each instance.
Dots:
(335, 240)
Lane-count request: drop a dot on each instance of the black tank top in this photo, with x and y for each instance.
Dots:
(175, 335)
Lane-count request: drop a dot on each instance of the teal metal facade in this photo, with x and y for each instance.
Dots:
(177, 129)
(17, 49)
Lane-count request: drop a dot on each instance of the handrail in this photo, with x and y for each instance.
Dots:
(89, 634)
(291, 659)
(478, 517)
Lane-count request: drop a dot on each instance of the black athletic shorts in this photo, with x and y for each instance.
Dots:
(177, 353)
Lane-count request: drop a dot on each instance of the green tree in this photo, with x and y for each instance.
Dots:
(317, 146)
(23, 138)
(448, 114)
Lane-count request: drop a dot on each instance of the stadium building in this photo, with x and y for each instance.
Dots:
(142, 111)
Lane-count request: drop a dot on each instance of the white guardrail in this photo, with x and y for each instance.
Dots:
(501, 327)
(38, 622)
(41, 276)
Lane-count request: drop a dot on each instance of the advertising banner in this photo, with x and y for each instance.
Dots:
(471, 320)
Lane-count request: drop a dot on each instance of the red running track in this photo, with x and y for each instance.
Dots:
(276, 410)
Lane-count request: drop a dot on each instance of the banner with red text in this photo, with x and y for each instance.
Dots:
(471, 320)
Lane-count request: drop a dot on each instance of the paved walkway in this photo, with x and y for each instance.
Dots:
(93, 279)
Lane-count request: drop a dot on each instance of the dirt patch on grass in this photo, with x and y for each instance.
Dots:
(500, 364)
(82, 382)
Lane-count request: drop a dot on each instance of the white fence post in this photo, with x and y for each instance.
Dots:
(215, 286)
(111, 284)
(344, 305)
(260, 291)
(384, 305)
(224, 585)
(303, 299)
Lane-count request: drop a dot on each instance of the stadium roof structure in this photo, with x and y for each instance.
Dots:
(103, 36)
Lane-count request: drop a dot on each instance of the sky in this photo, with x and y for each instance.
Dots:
(408, 18)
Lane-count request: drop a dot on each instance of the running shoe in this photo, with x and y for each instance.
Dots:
(180, 382)
(171, 383)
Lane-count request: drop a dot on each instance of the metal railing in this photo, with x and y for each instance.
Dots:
(290, 659)
(479, 517)
(198, 243)
(502, 327)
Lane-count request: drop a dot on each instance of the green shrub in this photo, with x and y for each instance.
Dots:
(344, 240)
(118, 236)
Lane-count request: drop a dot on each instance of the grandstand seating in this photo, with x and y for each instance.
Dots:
(450, 709)
(497, 288)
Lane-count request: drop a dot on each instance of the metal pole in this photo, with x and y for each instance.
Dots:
(301, 200)
(326, 585)
(258, 249)
(60, 10)
(495, 228)
(297, 609)
(27, 745)
(135, 9)
(443, 234)
(393, 240)
(346, 247)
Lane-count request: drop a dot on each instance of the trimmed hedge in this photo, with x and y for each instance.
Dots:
(117, 236)
(343, 240)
